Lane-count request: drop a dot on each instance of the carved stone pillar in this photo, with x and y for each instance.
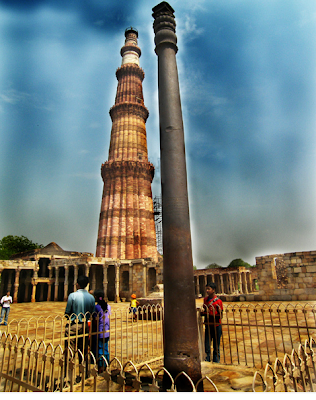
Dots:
(145, 271)
(245, 280)
(56, 283)
(130, 278)
(87, 269)
(75, 276)
(240, 283)
(205, 282)
(230, 283)
(117, 283)
(222, 283)
(33, 291)
(66, 283)
(105, 281)
(16, 286)
(251, 288)
(34, 283)
(234, 282)
(49, 290)
(213, 278)
(93, 277)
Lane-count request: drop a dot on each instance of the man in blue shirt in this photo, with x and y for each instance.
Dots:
(80, 306)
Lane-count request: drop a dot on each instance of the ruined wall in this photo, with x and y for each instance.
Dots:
(287, 277)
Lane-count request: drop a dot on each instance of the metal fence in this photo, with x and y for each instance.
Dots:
(295, 373)
(27, 365)
(253, 334)
(34, 355)
(137, 340)
(256, 334)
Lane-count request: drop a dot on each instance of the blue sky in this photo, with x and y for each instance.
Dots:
(247, 72)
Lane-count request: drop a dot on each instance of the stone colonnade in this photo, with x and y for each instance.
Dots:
(12, 276)
(118, 278)
(228, 281)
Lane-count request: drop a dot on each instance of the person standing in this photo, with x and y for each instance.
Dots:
(212, 309)
(5, 303)
(80, 306)
(101, 325)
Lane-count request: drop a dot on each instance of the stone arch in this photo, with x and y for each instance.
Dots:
(125, 281)
(25, 286)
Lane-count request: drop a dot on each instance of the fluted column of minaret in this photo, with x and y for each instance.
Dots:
(126, 226)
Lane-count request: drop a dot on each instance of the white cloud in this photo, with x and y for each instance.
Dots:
(12, 96)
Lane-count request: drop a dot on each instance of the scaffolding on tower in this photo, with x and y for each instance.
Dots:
(158, 222)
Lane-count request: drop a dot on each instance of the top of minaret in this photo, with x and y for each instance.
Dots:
(130, 51)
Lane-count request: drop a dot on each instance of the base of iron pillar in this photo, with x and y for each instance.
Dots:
(190, 365)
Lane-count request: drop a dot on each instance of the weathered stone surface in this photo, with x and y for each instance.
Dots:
(293, 273)
(126, 224)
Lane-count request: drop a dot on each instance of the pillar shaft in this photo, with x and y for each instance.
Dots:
(16, 286)
(240, 283)
(145, 270)
(49, 290)
(117, 283)
(181, 351)
(130, 278)
(56, 283)
(222, 283)
(75, 277)
(66, 283)
(93, 278)
(105, 281)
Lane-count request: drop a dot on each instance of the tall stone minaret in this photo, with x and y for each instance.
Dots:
(126, 225)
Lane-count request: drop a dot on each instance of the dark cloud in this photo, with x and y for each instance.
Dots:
(98, 14)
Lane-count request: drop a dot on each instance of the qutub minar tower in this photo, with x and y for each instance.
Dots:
(126, 225)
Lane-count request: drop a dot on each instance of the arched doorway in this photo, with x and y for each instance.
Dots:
(111, 283)
(152, 281)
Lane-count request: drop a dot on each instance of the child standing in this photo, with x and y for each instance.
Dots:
(134, 304)
(100, 343)
(213, 307)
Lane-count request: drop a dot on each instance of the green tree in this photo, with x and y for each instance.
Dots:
(194, 268)
(238, 262)
(213, 265)
(10, 245)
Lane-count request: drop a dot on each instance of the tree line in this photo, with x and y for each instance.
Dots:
(237, 262)
(10, 245)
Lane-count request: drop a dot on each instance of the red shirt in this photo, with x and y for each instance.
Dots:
(215, 309)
